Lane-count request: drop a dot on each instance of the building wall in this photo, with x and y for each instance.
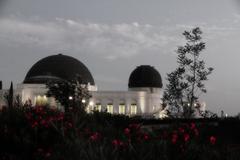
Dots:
(147, 102)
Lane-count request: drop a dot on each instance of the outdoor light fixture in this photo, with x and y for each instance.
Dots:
(83, 101)
(91, 103)
(70, 97)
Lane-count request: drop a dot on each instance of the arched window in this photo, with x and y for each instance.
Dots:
(98, 107)
(110, 108)
(133, 109)
(122, 108)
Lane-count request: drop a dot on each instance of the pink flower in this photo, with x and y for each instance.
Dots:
(95, 136)
(70, 125)
(120, 143)
(117, 143)
(60, 116)
(145, 137)
(126, 131)
(174, 138)
(34, 124)
(196, 132)
(181, 130)
(212, 140)
(43, 122)
(192, 126)
(186, 137)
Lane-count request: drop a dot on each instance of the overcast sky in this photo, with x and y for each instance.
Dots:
(112, 37)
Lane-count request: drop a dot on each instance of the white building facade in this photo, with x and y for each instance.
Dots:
(142, 98)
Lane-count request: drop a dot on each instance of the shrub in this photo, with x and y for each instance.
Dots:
(43, 133)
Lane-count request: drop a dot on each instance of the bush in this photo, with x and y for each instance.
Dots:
(39, 133)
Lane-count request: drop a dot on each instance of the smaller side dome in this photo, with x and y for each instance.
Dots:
(145, 76)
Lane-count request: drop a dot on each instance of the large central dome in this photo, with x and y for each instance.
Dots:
(145, 76)
(58, 67)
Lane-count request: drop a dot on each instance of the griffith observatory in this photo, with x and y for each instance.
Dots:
(143, 96)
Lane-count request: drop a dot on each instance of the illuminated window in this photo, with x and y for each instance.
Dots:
(133, 109)
(88, 109)
(110, 108)
(121, 109)
(41, 100)
(98, 107)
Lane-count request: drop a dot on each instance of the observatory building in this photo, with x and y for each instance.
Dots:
(143, 96)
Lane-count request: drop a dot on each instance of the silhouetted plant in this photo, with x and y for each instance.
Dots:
(41, 133)
(9, 97)
(70, 94)
(186, 82)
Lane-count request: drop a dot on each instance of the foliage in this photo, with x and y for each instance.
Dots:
(9, 97)
(208, 114)
(186, 82)
(41, 133)
(69, 93)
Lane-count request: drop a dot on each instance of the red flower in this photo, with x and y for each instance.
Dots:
(126, 131)
(34, 124)
(145, 137)
(192, 126)
(181, 130)
(186, 137)
(60, 116)
(196, 132)
(50, 119)
(95, 136)
(174, 138)
(212, 140)
(120, 143)
(43, 122)
(70, 125)
(117, 143)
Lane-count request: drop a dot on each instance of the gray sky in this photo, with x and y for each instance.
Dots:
(112, 37)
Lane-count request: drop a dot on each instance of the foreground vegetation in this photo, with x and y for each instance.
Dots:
(38, 133)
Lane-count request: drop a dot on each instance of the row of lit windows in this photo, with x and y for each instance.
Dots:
(121, 108)
(43, 100)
